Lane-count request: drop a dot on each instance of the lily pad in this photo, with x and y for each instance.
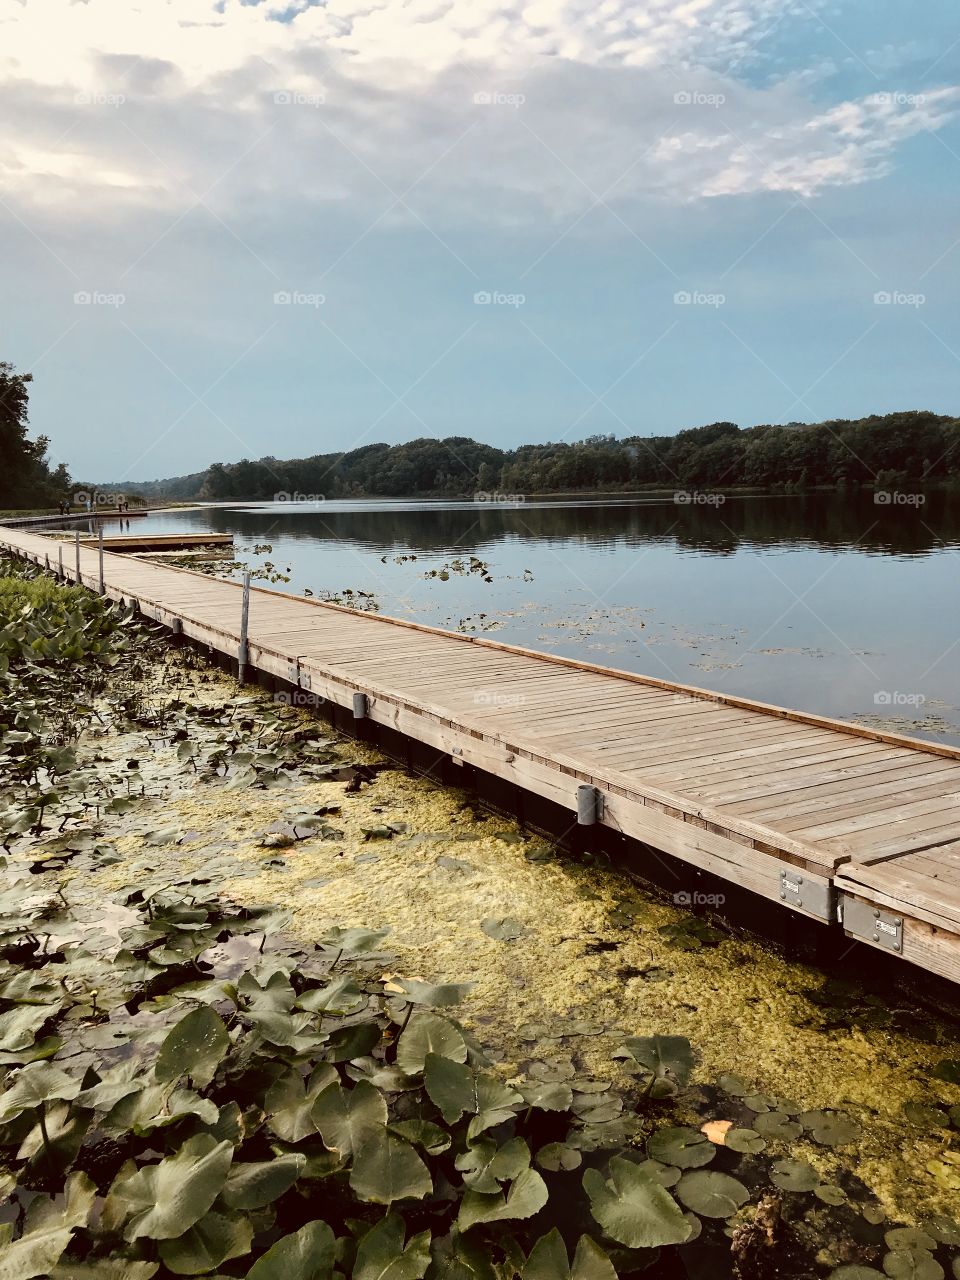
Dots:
(165, 1199)
(382, 1254)
(503, 928)
(307, 1254)
(685, 1148)
(830, 1128)
(712, 1195)
(794, 1175)
(387, 1169)
(633, 1208)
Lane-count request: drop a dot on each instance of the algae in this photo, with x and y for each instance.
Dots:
(589, 967)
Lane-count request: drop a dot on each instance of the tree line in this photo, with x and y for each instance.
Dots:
(886, 451)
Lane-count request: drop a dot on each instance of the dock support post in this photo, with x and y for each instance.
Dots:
(60, 561)
(46, 562)
(244, 622)
(76, 544)
(589, 806)
(100, 550)
(359, 706)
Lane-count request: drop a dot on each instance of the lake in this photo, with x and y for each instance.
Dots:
(828, 603)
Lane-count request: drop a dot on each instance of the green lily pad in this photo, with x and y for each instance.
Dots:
(685, 1148)
(195, 1047)
(830, 1194)
(830, 1128)
(387, 1169)
(557, 1157)
(925, 1115)
(912, 1265)
(794, 1175)
(307, 1254)
(382, 1254)
(346, 1118)
(428, 1033)
(251, 1186)
(633, 1208)
(736, 1086)
(777, 1124)
(909, 1238)
(746, 1141)
(213, 1240)
(526, 1196)
(712, 1195)
(165, 1199)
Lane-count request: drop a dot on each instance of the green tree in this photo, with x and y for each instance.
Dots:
(25, 476)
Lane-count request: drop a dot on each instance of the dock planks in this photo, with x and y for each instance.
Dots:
(838, 822)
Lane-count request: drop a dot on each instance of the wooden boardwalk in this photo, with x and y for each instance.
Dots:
(851, 826)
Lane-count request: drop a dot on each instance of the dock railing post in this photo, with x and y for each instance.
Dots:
(244, 622)
(100, 550)
(60, 561)
(76, 544)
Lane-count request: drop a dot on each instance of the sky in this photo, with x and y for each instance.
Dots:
(244, 229)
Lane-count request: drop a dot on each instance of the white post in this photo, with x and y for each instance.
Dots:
(76, 543)
(244, 621)
(60, 561)
(100, 549)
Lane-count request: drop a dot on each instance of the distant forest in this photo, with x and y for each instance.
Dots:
(895, 450)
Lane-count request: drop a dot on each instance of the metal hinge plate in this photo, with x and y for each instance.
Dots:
(807, 893)
(297, 677)
(873, 924)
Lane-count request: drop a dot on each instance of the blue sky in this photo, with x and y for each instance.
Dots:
(679, 213)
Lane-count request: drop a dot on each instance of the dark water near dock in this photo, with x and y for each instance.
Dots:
(830, 603)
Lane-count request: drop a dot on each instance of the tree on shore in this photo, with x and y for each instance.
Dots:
(25, 476)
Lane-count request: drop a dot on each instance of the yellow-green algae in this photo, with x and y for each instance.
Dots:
(740, 1003)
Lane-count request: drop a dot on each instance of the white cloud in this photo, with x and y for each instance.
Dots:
(180, 101)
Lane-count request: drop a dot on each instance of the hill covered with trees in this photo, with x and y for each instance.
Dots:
(897, 449)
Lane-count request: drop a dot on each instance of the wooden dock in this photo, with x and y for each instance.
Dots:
(840, 823)
(159, 541)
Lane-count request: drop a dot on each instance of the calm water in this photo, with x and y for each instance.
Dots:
(826, 602)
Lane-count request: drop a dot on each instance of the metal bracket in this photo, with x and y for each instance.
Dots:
(807, 893)
(589, 806)
(299, 679)
(360, 708)
(873, 924)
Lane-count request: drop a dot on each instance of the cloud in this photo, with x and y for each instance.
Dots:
(466, 109)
